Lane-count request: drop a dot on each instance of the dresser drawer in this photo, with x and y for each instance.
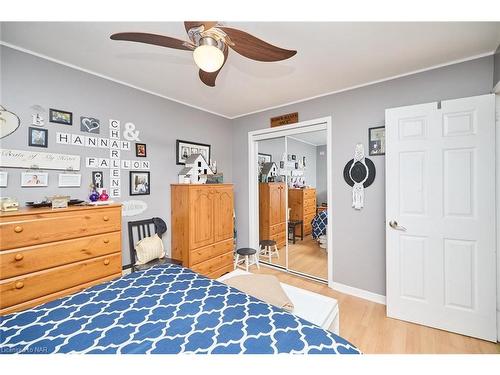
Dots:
(277, 229)
(24, 288)
(308, 210)
(40, 257)
(55, 226)
(310, 202)
(212, 265)
(208, 252)
(309, 193)
(280, 239)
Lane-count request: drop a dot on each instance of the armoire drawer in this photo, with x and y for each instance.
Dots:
(278, 228)
(211, 265)
(221, 271)
(40, 257)
(55, 226)
(211, 251)
(24, 288)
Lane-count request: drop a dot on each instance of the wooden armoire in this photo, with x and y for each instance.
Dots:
(203, 227)
(272, 212)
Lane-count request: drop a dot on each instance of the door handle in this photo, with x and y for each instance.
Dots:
(394, 225)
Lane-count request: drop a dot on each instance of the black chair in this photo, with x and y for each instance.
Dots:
(137, 230)
(291, 229)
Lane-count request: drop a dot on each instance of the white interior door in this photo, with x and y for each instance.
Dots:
(440, 215)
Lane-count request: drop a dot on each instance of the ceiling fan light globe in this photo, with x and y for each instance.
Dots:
(208, 58)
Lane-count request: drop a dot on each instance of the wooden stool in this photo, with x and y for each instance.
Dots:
(246, 252)
(269, 247)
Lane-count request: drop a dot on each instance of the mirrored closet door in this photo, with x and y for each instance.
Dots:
(307, 204)
(293, 212)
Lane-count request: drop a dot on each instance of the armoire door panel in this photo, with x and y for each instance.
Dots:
(224, 226)
(201, 218)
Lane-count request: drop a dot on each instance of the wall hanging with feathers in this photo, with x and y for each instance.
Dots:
(359, 173)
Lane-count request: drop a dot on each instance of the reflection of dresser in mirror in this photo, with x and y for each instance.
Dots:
(272, 212)
(302, 203)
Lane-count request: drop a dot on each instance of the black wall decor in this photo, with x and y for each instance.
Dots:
(359, 172)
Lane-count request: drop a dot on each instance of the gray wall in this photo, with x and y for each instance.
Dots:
(321, 171)
(27, 80)
(300, 149)
(496, 67)
(359, 236)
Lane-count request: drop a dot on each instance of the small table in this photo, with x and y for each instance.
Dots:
(292, 224)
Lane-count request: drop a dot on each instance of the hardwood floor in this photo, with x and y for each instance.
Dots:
(365, 324)
(304, 256)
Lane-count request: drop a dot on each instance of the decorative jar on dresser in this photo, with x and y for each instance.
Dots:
(47, 254)
(203, 227)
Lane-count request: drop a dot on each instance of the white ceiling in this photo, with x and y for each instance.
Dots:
(317, 138)
(331, 57)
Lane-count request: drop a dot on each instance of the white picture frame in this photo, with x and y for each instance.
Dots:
(34, 179)
(70, 180)
(3, 178)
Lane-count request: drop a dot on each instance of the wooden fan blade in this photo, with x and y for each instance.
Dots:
(254, 48)
(209, 78)
(206, 24)
(158, 40)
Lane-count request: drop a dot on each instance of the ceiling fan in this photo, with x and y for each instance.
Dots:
(210, 43)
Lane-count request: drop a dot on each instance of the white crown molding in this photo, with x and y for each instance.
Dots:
(368, 83)
(18, 48)
(361, 293)
(13, 46)
(306, 142)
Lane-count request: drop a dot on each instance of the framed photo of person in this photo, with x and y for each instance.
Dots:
(34, 179)
(376, 140)
(140, 183)
(140, 150)
(184, 149)
(38, 137)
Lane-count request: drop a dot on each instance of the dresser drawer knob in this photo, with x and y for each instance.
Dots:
(106, 262)
(106, 240)
(106, 218)
(19, 285)
(19, 257)
(18, 229)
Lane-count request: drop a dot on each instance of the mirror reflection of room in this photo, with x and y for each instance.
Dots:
(293, 203)
(307, 204)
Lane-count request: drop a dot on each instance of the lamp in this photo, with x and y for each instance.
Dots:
(208, 55)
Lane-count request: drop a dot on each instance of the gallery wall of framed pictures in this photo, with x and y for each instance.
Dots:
(85, 135)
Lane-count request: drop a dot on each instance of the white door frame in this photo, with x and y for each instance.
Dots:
(323, 123)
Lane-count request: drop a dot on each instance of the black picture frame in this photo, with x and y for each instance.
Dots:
(183, 150)
(376, 147)
(133, 190)
(98, 179)
(267, 158)
(36, 143)
(140, 154)
(53, 117)
(294, 157)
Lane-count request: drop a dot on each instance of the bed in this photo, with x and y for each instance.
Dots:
(313, 307)
(165, 309)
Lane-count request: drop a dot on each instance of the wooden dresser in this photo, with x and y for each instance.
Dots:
(46, 254)
(272, 212)
(302, 203)
(203, 227)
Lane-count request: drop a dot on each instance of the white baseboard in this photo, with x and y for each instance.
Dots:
(498, 325)
(374, 297)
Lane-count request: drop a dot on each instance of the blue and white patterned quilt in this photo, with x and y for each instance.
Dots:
(319, 224)
(165, 309)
